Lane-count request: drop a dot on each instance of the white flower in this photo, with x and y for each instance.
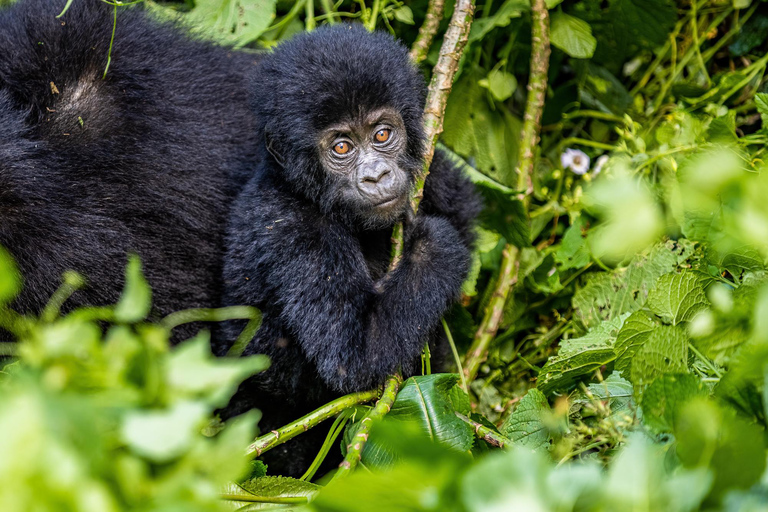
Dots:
(599, 163)
(575, 160)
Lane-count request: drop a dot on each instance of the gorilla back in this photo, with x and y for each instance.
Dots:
(143, 160)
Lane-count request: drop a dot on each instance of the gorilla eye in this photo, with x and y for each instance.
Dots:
(341, 148)
(382, 135)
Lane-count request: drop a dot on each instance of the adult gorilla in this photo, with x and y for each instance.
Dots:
(144, 160)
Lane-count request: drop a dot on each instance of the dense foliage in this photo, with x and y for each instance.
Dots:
(629, 369)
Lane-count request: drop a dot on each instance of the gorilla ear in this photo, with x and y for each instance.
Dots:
(273, 147)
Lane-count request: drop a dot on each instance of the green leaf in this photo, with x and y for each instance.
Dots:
(573, 251)
(476, 128)
(236, 22)
(616, 391)
(572, 35)
(633, 335)
(606, 296)
(136, 300)
(404, 14)
(193, 371)
(501, 18)
(163, 435)
(578, 357)
(10, 279)
(665, 397)
(665, 350)
(713, 437)
(270, 487)
(430, 401)
(501, 84)
(678, 297)
(525, 426)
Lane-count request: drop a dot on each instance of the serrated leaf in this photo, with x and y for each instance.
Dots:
(678, 297)
(136, 299)
(274, 486)
(524, 426)
(634, 333)
(606, 296)
(664, 351)
(580, 356)
(572, 35)
(663, 400)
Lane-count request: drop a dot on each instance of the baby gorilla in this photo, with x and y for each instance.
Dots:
(339, 111)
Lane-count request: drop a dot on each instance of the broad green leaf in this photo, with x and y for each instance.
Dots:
(709, 436)
(664, 351)
(10, 279)
(404, 14)
(578, 357)
(761, 102)
(428, 400)
(664, 399)
(572, 35)
(632, 336)
(606, 296)
(501, 18)
(236, 22)
(270, 487)
(428, 403)
(573, 251)
(501, 84)
(525, 426)
(194, 372)
(163, 435)
(474, 128)
(136, 299)
(678, 297)
(505, 214)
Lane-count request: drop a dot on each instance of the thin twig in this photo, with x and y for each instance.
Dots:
(494, 312)
(486, 434)
(428, 29)
(444, 72)
(288, 432)
(382, 407)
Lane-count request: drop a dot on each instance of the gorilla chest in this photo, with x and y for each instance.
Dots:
(376, 246)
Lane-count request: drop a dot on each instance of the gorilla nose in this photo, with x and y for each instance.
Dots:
(377, 180)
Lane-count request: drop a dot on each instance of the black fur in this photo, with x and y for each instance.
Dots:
(151, 169)
(332, 323)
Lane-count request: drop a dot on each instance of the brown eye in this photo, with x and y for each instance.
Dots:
(382, 135)
(341, 148)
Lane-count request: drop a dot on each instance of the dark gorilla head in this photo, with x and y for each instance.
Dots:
(341, 112)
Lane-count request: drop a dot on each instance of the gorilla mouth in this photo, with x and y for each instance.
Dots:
(389, 203)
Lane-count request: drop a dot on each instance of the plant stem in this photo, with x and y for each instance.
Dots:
(427, 30)
(486, 434)
(245, 498)
(493, 313)
(382, 407)
(454, 41)
(288, 432)
(537, 90)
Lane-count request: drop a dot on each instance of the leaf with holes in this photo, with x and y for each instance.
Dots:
(678, 297)
(525, 426)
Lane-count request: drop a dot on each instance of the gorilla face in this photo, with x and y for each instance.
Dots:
(367, 157)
